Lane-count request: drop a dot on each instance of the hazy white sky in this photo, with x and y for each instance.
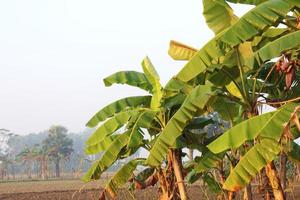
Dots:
(54, 54)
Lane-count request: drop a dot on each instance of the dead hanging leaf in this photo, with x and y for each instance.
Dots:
(296, 120)
(298, 20)
(289, 77)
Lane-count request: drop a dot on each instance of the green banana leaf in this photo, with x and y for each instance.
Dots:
(293, 152)
(100, 146)
(208, 161)
(133, 78)
(218, 15)
(260, 18)
(213, 185)
(154, 79)
(179, 51)
(251, 163)
(269, 125)
(121, 177)
(250, 2)
(107, 159)
(191, 107)
(118, 106)
(110, 126)
(277, 47)
(143, 121)
(208, 55)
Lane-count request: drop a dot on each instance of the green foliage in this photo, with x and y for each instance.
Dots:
(251, 163)
(58, 144)
(132, 78)
(118, 106)
(192, 106)
(269, 125)
(218, 14)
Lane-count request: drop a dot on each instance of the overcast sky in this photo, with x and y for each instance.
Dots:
(54, 54)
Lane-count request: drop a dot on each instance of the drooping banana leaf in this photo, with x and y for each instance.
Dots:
(100, 146)
(260, 18)
(179, 51)
(154, 79)
(193, 104)
(192, 177)
(208, 55)
(252, 24)
(218, 15)
(225, 107)
(250, 2)
(251, 163)
(269, 125)
(110, 126)
(144, 175)
(143, 121)
(293, 152)
(276, 48)
(121, 177)
(118, 106)
(208, 161)
(213, 185)
(268, 36)
(133, 78)
(107, 159)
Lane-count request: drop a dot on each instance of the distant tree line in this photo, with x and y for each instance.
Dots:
(43, 155)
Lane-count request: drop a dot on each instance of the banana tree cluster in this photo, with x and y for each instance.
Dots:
(252, 61)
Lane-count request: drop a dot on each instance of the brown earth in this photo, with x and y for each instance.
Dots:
(75, 189)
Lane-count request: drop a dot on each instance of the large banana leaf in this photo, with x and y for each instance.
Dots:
(193, 104)
(251, 163)
(250, 2)
(208, 55)
(179, 51)
(293, 152)
(107, 159)
(143, 121)
(121, 177)
(218, 15)
(154, 79)
(277, 47)
(133, 78)
(213, 185)
(208, 161)
(118, 106)
(256, 20)
(100, 146)
(225, 107)
(269, 125)
(110, 126)
(253, 23)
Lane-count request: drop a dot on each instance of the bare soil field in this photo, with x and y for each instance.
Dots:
(77, 190)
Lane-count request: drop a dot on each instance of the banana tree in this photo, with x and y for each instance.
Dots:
(131, 123)
(237, 59)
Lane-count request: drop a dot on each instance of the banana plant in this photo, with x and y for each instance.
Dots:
(238, 62)
(154, 122)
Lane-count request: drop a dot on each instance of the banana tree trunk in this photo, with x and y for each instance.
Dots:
(282, 173)
(248, 192)
(274, 181)
(177, 164)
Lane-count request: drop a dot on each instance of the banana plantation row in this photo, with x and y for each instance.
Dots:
(248, 73)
